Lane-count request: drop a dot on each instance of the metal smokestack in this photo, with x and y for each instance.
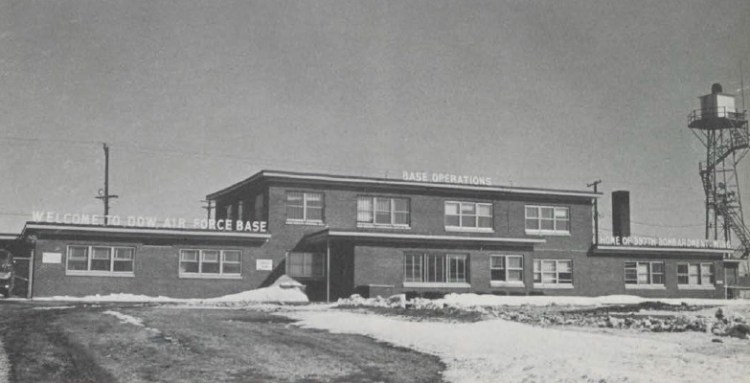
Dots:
(621, 213)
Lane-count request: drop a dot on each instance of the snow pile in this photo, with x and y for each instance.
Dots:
(501, 351)
(124, 318)
(645, 314)
(283, 290)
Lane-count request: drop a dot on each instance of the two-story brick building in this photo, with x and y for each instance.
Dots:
(374, 236)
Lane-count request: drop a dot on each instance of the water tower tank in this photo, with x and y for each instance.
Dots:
(717, 104)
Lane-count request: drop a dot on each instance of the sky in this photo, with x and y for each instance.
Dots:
(192, 96)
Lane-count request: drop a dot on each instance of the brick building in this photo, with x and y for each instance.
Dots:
(341, 235)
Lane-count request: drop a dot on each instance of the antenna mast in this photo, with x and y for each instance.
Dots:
(104, 194)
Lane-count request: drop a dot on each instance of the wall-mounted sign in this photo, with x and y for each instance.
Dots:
(149, 221)
(664, 242)
(51, 258)
(264, 264)
(445, 178)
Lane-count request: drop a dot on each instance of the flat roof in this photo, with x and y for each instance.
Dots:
(374, 181)
(333, 233)
(134, 231)
(8, 236)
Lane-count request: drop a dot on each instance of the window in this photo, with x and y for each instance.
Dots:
(306, 265)
(644, 273)
(303, 207)
(506, 268)
(195, 263)
(241, 211)
(468, 216)
(228, 212)
(426, 268)
(100, 260)
(383, 211)
(553, 271)
(547, 220)
(258, 210)
(695, 274)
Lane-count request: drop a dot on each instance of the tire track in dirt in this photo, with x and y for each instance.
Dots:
(4, 364)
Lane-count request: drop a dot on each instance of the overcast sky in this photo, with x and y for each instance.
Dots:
(194, 96)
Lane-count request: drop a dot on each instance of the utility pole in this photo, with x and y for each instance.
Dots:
(104, 195)
(208, 207)
(596, 211)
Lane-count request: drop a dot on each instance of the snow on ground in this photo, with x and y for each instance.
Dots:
(501, 351)
(124, 318)
(283, 290)
(467, 300)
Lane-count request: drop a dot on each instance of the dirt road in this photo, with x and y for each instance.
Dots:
(84, 344)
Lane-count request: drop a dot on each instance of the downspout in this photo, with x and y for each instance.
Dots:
(328, 271)
(29, 292)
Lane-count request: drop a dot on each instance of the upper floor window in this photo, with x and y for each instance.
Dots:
(468, 216)
(258, 208)
(695, 274)
(305, 265)
(547, 220)
(304, 207)
(644, 273)
(100, 260)
(211, 263)
(241, 210)
(383, 211)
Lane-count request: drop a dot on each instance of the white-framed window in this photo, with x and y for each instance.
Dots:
(471, 216)
(695, 274)
(433, 269)
(644, 273)
(506, 269)
(304, 207)
(551, 272)
(100, 260)
(547, 220)
(382, 211)
(305, 265)
(210, 263)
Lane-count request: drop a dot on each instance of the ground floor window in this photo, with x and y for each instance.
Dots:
(506, 268)
(695, 274)
(553, 271)
(436, 268)
(209, 263)
(100, 260)
(306, 265)
(644, 273)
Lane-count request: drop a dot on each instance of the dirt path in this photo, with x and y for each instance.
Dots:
(85, 344)
(4, 364)
(39, 350)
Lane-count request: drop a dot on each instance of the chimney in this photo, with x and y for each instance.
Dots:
(621, 213)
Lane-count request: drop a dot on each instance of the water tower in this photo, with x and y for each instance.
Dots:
(723, 130)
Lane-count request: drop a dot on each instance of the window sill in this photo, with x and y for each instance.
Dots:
(645, 287)
(210, 276)
(309, 223)
(506, 284)
(553, 285)
(469, 229)
(382, 226)
(548, 233)
(75, 273)
(462, 285)
(696, 287)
